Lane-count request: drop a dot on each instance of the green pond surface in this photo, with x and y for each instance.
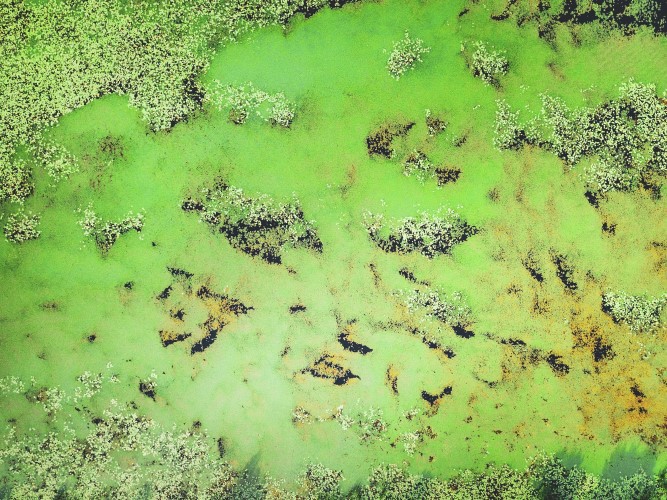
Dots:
(59, 290)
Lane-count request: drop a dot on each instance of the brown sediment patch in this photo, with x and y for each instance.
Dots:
(391, 379)
(350, 180)
(328, 367)
(658, 253)
(168, 337)
(220, 308)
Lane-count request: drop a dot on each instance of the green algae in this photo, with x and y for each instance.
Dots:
(504, 406)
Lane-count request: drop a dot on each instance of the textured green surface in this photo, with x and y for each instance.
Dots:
(242, 388)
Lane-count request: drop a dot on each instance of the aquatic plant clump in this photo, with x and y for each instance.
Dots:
(428, 234)
(318, 481)
(105, 234)
(640, 313)
(244, 100)
(257, 226)
(451, 310)
(627, 137)
(418, 165)
(56, 160)
(487, 64)
(21, 226)
(15, 182)
(405, 55)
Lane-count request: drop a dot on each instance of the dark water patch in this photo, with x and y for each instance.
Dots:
(609, 228)
(462, 332)
(91, 338)
(637, 392)
(164, 294)
(433, 399)
(179, 273)
(564, 271)
(602, 351)
(352, 346)
(177, 314)
(510, 341)
(447, 175)
(297, 308)
(558, 367)
(327, 368)
(129, 285)
(407, 274)
(190, 205)
(531, 265)
(206, 341)
(168, 337)
(147, 388)
(593, 198)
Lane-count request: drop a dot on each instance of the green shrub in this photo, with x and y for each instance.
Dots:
(418, 165)
(244, 100)
(508, 133)
(405, 55)
(626, 137)
(56, 160)
(257, 226)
